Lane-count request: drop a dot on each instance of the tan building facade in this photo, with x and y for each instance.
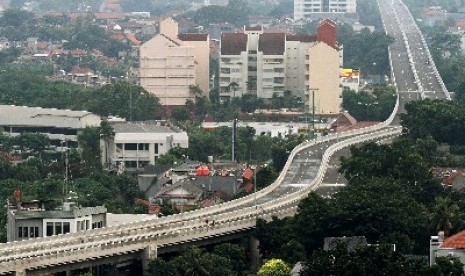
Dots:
(170, 63)
(324, 80)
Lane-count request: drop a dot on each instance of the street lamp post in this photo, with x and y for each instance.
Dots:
(255, 169)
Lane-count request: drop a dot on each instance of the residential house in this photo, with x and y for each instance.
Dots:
(455, 181)
(182, 195)
(449, 247)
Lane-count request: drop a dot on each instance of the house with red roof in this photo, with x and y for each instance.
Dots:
(449, 247)
(456, 181)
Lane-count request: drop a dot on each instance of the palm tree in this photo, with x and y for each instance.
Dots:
(106, 134)
(445, 214)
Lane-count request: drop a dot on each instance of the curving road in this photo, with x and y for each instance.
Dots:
(305, 171)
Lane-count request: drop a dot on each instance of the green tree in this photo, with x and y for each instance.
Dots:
(274, 267)
(368, 260)
(265, 176)
(15, 18)
(448, 266)
(234, 254)
(445, 215)
(161, 267)
(89, 142)
(180, 114)
(107, 135)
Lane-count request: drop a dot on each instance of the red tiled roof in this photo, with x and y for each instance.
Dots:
(133, 39)
(193, 37)
(449, 180)
(248, 173)
(233, 43)
(58, 51)
(456, 241)
(248, 187)
(78, 53)
(84, 70)
(272, 43)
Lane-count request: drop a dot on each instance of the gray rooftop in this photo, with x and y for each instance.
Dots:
(140, 127)
(11, 115)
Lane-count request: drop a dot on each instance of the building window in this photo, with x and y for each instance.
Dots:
(31, 232)
(58, 229)
(49, 228)
(130, 146)
(66, 228)
(156, 148)
(25, 232)
(20, 232)
(143, 146)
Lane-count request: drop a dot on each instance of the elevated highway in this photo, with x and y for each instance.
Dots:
(304, 172)
(412, 67)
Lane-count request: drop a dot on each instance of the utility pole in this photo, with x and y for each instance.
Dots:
(313, 112)
(312, 132)
(233, 149)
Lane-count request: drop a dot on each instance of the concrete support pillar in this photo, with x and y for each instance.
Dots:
(254, 251)
(20, 273)
(149, 254)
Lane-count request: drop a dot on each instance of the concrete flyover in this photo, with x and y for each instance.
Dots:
(304, 172)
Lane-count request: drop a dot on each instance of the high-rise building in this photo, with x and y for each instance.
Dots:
(304, 8)
(263, 64)
(170, 63)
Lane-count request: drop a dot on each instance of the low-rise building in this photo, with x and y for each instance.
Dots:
(34, 222)
(59, 125)
(137, 144)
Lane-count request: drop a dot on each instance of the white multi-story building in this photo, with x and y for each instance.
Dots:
(305, 8)
(137, 144)
(35, 222)
(264, 64)
(252, 62)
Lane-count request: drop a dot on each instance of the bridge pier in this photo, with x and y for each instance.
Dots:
(150, 253)
(20, 272)
(254, 251)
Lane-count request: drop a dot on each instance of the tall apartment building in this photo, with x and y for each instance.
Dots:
(170, 63)
(323, 82)
(304, 8)
(262, 64)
